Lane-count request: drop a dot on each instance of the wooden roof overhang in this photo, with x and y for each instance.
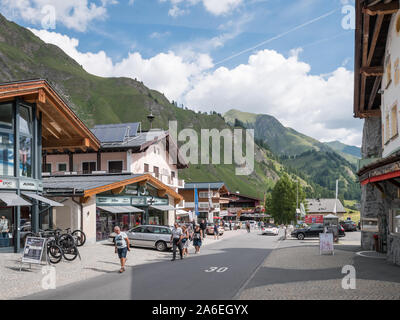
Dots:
(62, 130)
(143, 179)
(372, 24)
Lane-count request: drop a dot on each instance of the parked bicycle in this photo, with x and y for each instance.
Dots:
(78, 235)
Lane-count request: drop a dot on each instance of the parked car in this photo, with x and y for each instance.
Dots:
(150, 236)
(270, 228)
(313, 231)
(349, 225)
(210, 229)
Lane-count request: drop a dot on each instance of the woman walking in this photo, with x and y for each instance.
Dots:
(197, 236)
(185, 240)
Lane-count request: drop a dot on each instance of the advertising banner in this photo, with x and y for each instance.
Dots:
(310, 219)
(33, 251)
(326, 243)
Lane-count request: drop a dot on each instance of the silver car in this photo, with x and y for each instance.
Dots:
(149, 236)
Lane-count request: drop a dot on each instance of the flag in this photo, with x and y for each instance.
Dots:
(196, 201)
(337, 190)
(210, 205)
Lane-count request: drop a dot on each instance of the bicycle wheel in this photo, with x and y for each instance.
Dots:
(80, 237)
(70, 254)
(54, 253)
(66, 241)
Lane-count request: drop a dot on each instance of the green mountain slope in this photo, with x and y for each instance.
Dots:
(320, 164)
(350, 153)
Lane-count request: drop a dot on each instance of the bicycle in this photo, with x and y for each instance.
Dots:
(67, 243)
(78, 235)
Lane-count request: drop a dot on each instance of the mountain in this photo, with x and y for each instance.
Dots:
(281, 140)
(350, 153)
(319, 163)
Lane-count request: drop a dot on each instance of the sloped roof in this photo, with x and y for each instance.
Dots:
(324, 206)
(204, 185)
(118, 132)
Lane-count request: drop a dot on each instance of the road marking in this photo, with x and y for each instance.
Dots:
(217, 269)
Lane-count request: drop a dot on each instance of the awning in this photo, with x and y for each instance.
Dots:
(42, 199)
(120, 209)
(13, 200)
(163, 208)
(182, 213)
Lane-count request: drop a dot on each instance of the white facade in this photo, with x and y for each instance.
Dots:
(391, 90)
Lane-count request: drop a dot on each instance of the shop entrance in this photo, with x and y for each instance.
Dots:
(6, 227)
(156, 217)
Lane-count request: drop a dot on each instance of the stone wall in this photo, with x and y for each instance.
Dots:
(394, 249)
(371, 200)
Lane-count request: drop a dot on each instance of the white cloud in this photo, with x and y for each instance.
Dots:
(316, 105)
(166, 72)
(269, 83)
(74, 14)
(215, 7)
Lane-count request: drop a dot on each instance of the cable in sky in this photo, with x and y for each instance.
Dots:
(278, 36)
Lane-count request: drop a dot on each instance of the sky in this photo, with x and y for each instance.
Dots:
(292, 59)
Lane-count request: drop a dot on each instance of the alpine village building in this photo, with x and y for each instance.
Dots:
(376, 100)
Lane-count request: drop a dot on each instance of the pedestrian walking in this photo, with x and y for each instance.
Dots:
(203, 227)
(185, 240)
(230, 225)
(216, 231)
(176, 240)
(122, 246)
(197, 236)
(248, 227)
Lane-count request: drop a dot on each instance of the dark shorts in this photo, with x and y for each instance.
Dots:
(197, 242)
(122, 252)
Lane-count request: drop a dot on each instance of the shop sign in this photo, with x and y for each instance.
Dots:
(8, 184)
(156, 201)
(115, 200)
(28, 185)
(138, 201)
(310, 219)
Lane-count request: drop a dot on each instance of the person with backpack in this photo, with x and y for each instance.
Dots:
(203, 227)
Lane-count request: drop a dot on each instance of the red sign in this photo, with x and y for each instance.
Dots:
(310, 219)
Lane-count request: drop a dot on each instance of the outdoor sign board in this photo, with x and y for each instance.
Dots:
(33, 251)
(326, 243)
(310, 219)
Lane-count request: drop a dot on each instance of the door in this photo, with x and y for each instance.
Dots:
(136, 236)
(149, 237)
(88, 167)
(7, 231)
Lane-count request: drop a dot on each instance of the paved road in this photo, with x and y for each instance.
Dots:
(187, 279)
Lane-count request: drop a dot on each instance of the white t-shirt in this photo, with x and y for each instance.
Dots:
(176, 233)
(120, 241)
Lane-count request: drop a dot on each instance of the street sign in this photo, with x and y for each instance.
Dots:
(33, 251)
(326, 243)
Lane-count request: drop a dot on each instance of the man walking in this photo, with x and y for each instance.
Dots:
(176, 240)
(122, 245)
(203, 228)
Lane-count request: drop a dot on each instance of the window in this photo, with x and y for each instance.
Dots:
(395, 221)
(204, 195)
(138, 230)
(6, 140)
(25, 141)
(146, 168)
(46, 167)
(115, 166)
(88, 167)
(157, 172)
(62, 167)
(394, 127)
(173, 174)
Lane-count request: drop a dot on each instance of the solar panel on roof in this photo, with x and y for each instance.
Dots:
(110, 134)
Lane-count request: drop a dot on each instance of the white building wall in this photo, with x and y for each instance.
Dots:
(391, 87)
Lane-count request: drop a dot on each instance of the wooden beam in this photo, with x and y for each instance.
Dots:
(374, 92)
(395, 183)
(377, 30)
(370, 113)
(380, 188)
(65, 144)
(372, 71)
(41, 96)
(118, 190)
(162, 193)
(382, 8)
(365, 43)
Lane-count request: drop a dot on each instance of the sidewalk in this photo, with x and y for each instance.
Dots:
(295, 270)
(97, 259)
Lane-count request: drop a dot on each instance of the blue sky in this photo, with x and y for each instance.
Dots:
(188, 49)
